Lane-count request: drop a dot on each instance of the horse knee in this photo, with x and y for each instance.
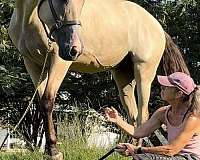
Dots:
(47, 103)
(53, 138)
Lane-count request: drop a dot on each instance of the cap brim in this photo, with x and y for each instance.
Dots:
(163, 80)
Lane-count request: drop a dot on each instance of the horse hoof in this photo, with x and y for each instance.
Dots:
(59, 156)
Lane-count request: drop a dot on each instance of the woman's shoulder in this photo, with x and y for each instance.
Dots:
(161, 111)
(193, 122)
(193, 119)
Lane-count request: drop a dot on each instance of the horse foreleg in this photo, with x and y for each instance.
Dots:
(34, 71)
(144, 75)
(56, 74)
(124, 79)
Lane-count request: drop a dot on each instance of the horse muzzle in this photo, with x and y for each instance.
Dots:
(69, 53)
(70, 50)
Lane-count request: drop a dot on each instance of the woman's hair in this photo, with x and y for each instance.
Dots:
(194, 101)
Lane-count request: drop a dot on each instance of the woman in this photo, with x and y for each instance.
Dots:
(181, 116)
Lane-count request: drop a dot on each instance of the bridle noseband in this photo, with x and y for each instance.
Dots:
(58, 23)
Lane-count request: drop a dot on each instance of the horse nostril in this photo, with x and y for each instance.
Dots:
(74, 51)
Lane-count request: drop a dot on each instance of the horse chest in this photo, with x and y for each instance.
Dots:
(33, 49)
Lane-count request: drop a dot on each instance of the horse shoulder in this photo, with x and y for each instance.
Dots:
(146, 35)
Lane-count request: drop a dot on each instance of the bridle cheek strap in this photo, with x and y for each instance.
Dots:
(58, 23)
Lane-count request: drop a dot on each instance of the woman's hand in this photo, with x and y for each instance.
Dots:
(126, 149)
(111, 114)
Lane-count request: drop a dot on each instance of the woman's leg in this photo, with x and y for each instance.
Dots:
(150, 156)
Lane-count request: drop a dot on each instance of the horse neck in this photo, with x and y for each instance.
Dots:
(30, 4)
(25, 9)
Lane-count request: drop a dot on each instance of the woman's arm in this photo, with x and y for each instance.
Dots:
(190, 128)
(142, 131)
(147, 128)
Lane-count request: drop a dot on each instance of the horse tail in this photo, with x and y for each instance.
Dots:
(172, 60)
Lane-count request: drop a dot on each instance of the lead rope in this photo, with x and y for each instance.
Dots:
(30, 103)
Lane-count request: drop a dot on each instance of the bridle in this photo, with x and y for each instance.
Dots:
(58, 23)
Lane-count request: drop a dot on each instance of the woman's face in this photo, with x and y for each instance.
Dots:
(168, 93)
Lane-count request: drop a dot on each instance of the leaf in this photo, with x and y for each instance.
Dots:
(2, 68)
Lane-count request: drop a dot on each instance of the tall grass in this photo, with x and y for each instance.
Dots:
(71, 142)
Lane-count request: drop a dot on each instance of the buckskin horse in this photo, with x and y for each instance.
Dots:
(92, 36)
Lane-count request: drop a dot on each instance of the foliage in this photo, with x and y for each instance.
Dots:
(90, 90)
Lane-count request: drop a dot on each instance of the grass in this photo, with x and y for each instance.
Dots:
(74, 153)
(73, 146)
(79, 151)
(72, 150)
(21, 156)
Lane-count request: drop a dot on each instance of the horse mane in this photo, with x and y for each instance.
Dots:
(172, 59)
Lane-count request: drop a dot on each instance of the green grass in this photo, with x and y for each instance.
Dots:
(73, 146)
(72, 150)
(21, 156)
(78, 151)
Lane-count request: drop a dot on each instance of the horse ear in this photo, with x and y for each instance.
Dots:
(66, 1)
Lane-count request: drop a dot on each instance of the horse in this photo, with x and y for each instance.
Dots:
(92, 36)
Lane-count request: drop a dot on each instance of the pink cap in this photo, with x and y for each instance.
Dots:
(180, 80)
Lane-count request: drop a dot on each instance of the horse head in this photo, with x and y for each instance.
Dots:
(62, 19)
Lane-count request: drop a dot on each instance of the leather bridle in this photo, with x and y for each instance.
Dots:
(58, 23)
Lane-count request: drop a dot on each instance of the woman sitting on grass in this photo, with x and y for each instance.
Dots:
(182, 118)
